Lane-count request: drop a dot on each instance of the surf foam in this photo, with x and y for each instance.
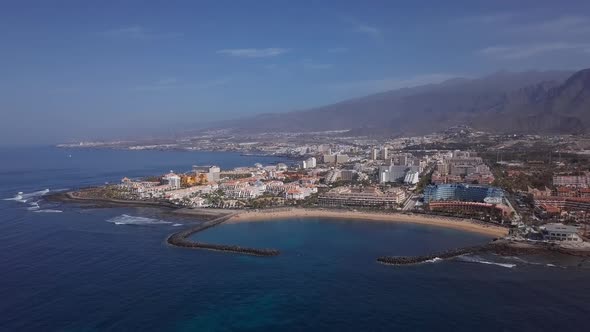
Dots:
(48, 211)
(477, 259)
(22, 197)
(434, 260)
(126, 219)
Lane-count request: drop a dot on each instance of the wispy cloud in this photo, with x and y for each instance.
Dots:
(529, 50)
(370, 31)
(171, 83)
(254, 52)
(491, 18)
(564, 25)
(138, 32)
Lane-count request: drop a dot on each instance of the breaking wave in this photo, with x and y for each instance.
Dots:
(48, 211)
(126, 219)
(477, 259)
(434, 260)
(22, 197)
(33, 206)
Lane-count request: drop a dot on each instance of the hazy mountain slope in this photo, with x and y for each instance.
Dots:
(543, 108)
(503, 101)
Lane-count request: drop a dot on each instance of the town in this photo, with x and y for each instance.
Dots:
(538, 187)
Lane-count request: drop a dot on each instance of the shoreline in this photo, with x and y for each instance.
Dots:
(454, 223)
(277, 214)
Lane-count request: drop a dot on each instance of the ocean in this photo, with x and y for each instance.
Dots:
(67, 267)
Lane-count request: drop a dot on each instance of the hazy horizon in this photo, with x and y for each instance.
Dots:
(114, 70)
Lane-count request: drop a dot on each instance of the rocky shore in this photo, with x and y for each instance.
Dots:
(83, 197)
(498, 247)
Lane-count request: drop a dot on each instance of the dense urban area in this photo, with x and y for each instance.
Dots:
(538, 186)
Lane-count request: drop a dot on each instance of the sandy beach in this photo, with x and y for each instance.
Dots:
(455, 223)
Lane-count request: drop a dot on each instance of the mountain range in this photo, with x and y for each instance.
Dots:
(536, 102)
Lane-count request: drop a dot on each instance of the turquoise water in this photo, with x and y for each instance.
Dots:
(109, 269)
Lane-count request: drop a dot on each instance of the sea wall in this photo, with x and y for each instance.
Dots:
(406, 260)
(181, 239)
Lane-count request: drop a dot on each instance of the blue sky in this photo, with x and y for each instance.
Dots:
(74, 70)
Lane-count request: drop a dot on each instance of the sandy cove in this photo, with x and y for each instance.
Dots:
(455, 223)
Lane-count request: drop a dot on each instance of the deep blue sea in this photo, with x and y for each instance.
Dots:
(66, 267)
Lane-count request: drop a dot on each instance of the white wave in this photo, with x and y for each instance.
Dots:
(36, 193)
(523, 260)
(48, 211)
(176, 225)
(434, 260)
(126, 219)
(33, 206)
(22, 197)
(18, 198)
(477, 259)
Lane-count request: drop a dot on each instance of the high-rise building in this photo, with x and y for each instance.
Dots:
(393, 173)
(384, 154)
(374, 153)
(210, 172)
(172, 180)
(335, 158)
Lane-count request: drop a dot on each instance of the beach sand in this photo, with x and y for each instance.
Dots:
(455, 223)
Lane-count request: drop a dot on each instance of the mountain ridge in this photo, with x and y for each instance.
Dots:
(504, 102)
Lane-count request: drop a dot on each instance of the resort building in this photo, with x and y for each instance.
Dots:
(394, 173)
(412, 177)
(374, 154)
(172, 180)
(362, 197)
(335, 158)
(471, 208)
(212, 173)
(460, 192)
(572, 180)
(560, 232)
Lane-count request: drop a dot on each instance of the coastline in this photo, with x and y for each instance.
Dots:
(228, 216)
(454, 223)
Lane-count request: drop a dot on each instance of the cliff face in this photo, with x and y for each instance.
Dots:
(530, 102)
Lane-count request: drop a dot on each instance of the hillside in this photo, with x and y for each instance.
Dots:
(532, 102)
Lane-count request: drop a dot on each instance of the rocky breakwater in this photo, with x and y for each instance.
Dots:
(498, 247)
(407, 260)
(181, 239)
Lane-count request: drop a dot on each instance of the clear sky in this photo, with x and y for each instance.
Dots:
(74, 70)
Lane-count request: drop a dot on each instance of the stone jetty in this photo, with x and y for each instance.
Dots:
(181, 239)
(407, 260)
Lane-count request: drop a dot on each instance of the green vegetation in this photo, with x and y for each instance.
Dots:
(424, 181)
